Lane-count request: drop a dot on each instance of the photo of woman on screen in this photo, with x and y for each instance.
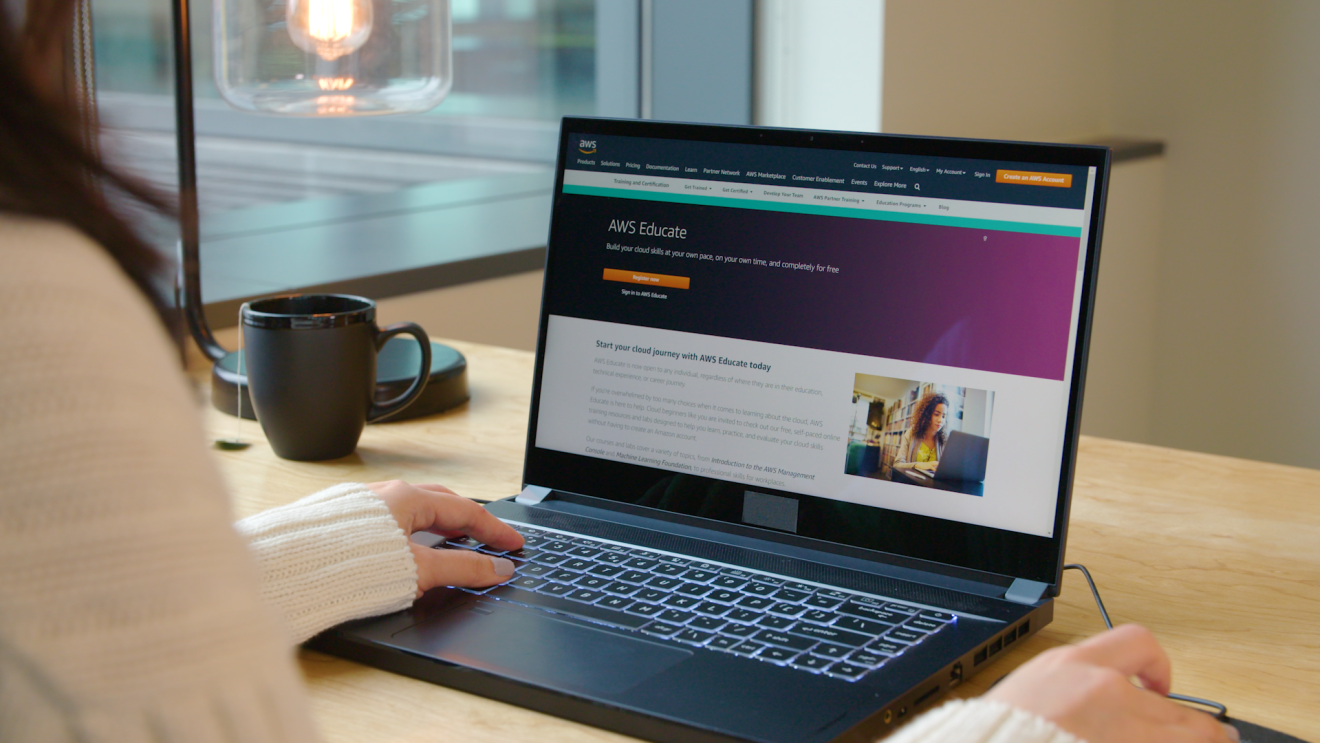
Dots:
(923, 442)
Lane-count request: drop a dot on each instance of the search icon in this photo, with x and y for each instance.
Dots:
(918, 186)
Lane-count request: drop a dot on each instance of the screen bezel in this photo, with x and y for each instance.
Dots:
(927, 539)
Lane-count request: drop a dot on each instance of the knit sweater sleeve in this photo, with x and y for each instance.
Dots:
(129, 608)
(331, 557)
(980, 721)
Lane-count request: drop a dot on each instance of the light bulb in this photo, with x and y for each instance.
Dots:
(329, 29)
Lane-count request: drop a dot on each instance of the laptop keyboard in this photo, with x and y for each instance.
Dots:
(718, 607)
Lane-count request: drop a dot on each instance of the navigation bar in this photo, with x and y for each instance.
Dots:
(1029, 184)
(829, 202)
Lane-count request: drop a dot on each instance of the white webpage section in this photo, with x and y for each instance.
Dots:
(781, 419)
(792, 194)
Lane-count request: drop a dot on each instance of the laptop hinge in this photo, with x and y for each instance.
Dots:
(1024, 591)
(531, 495)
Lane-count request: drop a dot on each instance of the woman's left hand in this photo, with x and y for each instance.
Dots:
(438, 509)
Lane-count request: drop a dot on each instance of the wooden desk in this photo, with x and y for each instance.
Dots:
(1220, 557)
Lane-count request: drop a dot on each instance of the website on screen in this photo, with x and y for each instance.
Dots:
(893, 331)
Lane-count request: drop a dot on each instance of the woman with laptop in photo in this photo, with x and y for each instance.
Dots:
(922, 445)
(132, 610)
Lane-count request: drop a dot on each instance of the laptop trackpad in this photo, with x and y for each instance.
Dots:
(536, 647)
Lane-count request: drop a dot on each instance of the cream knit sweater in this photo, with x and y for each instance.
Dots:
(130, 609)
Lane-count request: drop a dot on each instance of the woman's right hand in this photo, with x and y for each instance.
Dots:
(1085, 690)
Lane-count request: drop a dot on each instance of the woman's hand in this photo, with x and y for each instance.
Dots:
(438, 509)
(1085, 689)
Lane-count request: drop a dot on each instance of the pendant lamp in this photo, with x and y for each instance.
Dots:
(333, 57)
(313, 58)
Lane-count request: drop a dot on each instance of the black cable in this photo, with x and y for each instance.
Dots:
(1220, 711)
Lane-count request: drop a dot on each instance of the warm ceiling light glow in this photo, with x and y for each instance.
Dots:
(335, 83)
(334, 105)
(329, 28)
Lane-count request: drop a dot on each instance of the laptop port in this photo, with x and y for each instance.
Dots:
(1024, 628)
(932, 691)
(996, 646)
(1009, 637)
(980, 657)
(889, 716)
(902, 712)
(956, 675)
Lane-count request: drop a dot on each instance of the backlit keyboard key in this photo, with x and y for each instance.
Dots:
(786, 610)
(711, 608)
(584, 595)
(865, 626)
(870, 660)
(921, 624)
(693, 636)
(615, 602)
(831, 651)
(905, 635)
(609, 571)
(873, 613)
(757, 603)
(822, 602)
(812, 663)
(847, 671)
(643, 609)
(743, 615)
(783, 640)
(747, 648)
(778, 656)
(707, 624)
(770, 621)
(680, 601)
(739, 630)
(673, 616)
(722, 642)
(661, 629)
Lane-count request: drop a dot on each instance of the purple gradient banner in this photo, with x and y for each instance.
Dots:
(952, 296)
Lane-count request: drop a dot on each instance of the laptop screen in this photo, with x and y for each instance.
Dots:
(868, 340)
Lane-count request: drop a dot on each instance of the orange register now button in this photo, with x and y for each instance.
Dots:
(650, 279)
(1026, 178)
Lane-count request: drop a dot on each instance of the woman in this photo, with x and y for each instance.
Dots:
(131, 610)
(922, 444)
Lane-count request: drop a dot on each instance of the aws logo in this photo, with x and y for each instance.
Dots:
(587, 146)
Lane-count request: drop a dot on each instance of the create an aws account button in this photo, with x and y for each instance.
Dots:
(648, 279)
(1027, 178)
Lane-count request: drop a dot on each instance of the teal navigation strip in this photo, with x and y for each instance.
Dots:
(828, 211)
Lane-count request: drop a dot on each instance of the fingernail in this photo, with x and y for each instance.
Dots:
(1232, 731)
(503, 567)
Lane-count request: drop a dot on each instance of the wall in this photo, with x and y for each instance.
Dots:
(1232, 88)
(1205, 320)
(1119, 402)
(1009, 69)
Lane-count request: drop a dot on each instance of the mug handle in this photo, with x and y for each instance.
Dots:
(381, 411)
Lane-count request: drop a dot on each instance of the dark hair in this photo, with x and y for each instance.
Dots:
(925, 413)
(50, 170)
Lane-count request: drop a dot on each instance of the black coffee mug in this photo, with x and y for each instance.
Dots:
(311, 370)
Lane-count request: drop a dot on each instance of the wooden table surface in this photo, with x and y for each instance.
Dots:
(1219, 557)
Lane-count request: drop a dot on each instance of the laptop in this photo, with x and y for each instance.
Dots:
(700, 566)
(963, 459)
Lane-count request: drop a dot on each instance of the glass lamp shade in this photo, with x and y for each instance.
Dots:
(333, 57)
